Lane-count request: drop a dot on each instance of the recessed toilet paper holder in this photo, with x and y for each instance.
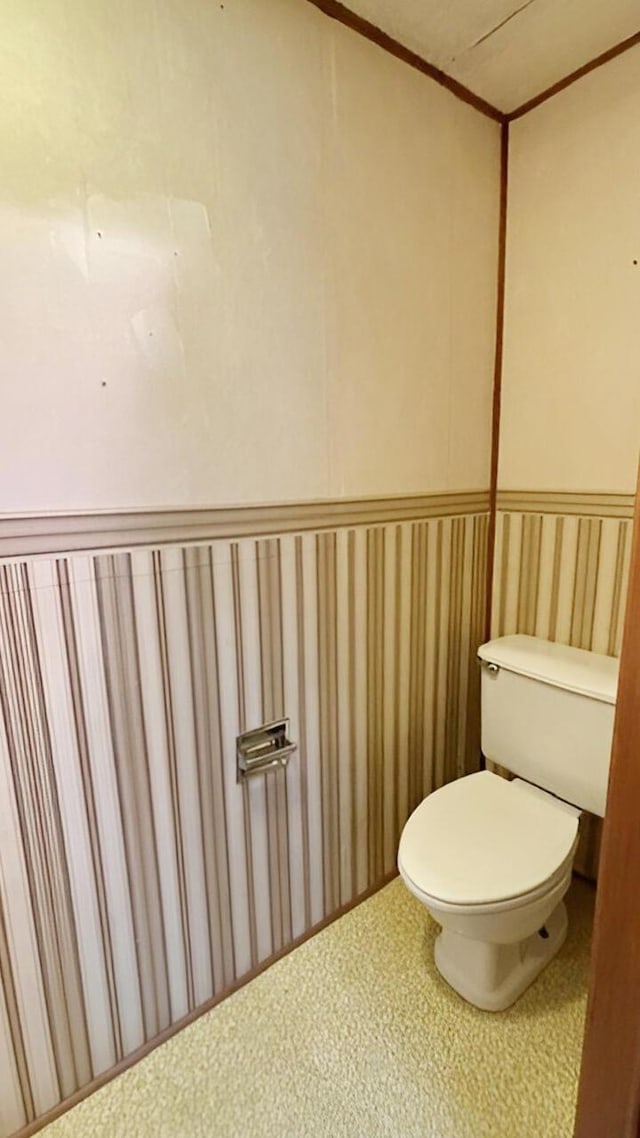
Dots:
(265, 748)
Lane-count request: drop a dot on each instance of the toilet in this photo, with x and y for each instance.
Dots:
(490, 858)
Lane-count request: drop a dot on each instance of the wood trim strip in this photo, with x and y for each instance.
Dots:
(23, 535)
(173, 1029)
(579, 73)
(566, 502)
(369, 31)
(609, 1091)
(376, 35)
(497, 369)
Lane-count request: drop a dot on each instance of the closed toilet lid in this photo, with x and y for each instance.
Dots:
(481, 839)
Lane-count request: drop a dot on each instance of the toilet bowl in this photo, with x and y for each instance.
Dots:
(491, 860)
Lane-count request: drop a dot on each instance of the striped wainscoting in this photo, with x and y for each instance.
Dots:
(138, 879)
(560, 572)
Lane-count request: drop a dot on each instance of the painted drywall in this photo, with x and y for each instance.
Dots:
(571, 382)
(247, 257)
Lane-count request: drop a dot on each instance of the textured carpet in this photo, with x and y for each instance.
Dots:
(355, 1034)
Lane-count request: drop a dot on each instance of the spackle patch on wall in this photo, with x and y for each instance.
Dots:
(232, 221)
(102, 296)
(157, 337)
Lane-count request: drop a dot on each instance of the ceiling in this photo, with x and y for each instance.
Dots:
(506, 51)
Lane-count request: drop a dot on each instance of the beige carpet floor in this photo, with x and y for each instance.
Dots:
(355, 1034)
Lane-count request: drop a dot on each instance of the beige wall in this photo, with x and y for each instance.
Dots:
(571, 385)
(570, 424)
(247, 256)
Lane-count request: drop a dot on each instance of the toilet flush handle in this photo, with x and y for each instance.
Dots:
(489, 666)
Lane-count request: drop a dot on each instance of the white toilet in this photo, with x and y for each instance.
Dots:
(490, 858)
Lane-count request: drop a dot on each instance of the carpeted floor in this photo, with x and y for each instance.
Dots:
(355, 1034)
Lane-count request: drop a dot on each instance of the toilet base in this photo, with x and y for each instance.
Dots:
(493, 976)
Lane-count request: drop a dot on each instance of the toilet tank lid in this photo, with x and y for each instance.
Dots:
(574, 669)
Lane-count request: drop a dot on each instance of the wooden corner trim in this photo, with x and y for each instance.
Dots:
(609, 1090)
(497, 370)
(369, 31)
(337, 11)
(579, 73)
(23, 535)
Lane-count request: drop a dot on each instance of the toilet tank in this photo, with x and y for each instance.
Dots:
(547, 716)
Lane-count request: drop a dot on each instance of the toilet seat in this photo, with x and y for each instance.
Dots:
(492, 908)
(482, 842)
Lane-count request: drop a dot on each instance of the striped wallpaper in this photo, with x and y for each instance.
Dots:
(561, 570)
(137, 878)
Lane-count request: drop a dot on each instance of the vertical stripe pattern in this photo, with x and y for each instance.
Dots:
(138, 878)
(564, 578)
